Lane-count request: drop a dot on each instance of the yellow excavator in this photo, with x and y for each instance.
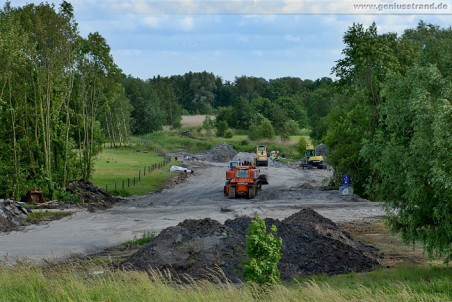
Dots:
(312, 160)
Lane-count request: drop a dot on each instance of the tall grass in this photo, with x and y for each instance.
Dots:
(24, 282)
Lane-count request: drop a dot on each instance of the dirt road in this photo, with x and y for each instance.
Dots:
(201, 196)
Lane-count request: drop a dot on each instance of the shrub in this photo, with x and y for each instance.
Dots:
(145, 238)
(228, 133)
(301, 146)
(264, 252)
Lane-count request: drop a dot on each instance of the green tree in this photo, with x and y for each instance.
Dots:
(261, 128)
(60, 93)
(221, 127)
(416, 130)
(392, 131)
(242, 115)
(301, 146)
(208, 124)
(368, 58)
(147, 116)
(264, 252)
(250, 87)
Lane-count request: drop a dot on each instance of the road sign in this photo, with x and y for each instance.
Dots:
(346, 190)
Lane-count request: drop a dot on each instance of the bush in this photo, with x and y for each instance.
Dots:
(228, 133)
(221, 126)
(264, 252)
(301, 146)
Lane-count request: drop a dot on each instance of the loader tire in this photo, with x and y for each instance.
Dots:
(231, 192)
(251, 193)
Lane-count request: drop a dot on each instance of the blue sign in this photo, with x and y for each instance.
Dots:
(345, 179)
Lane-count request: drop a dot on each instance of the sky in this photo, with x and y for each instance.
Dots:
(232, 38)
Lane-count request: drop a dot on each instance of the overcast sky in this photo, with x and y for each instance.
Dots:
(262, 38)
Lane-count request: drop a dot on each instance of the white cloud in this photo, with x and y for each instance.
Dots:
(292, 38)
(292, 6)
(187, 23)
(153, 21)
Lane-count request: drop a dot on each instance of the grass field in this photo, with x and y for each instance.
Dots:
(129, 166)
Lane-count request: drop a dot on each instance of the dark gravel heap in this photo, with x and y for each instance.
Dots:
(91, 195)
(195, 249)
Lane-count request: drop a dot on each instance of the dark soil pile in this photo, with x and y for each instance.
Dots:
(195, 249)
(91, 195)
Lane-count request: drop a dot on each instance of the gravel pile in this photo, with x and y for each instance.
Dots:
(320, 150)
(200, 249)
(11, 215)
(220, 154)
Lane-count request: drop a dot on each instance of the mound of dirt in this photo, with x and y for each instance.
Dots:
(220, 154)
(192, 250)
(12, 214)
(201, 249)
(91, 195)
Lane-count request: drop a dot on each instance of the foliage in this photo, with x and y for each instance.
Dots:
(208, 124)
(301, 146)
(392, 131)
(264, 252)
(221, 127)
(61, 99)
(229, 133)
(418, 125)
(144, 239)
(290, 127)
(37, 217)
(262, 130)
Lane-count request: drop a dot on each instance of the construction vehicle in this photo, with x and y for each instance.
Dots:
(243, 181)
(261, 156)
(312, 160)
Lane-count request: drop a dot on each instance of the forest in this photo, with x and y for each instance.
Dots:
(386, 117)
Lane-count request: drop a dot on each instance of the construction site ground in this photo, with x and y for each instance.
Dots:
(197, 196)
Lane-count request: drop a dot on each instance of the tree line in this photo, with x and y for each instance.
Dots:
(248, 103)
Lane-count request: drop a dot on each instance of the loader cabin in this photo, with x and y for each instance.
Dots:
(241, 173)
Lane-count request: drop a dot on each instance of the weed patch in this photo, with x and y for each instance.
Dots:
(144, 239)
(38, 217)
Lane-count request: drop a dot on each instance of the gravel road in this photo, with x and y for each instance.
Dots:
(201, 196)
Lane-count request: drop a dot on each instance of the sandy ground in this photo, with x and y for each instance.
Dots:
(201, 196)
(192, 121)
